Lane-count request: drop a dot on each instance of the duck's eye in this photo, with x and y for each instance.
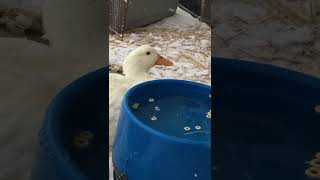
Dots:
(148, 53)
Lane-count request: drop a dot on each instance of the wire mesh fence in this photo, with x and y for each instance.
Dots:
(117, 17)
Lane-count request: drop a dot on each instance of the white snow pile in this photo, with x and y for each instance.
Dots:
(181, 19)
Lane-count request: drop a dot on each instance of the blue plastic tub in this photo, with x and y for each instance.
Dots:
(163, 132)
(265, 126)
(265, 121)
(81, 106)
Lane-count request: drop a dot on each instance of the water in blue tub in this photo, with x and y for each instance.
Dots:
(179, 116)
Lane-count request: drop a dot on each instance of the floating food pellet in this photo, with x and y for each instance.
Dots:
(86, 134)
(313, 172)
(187, 128)
(81, 142)
(135, 105)
(151, 100)
(315, 163)
(153, 118)
(318, 155)
(198, 127)
(195, 175)
(317, 109)
(157, 108)
(209, 114)
(209, 95)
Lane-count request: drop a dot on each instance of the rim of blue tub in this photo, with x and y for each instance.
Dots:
(57, 147)
(152, 130)
(266, 69)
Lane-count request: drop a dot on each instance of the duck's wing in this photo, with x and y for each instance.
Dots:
(118, 86)
(115, 79)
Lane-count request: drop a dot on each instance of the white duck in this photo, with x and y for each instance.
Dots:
(135, 68)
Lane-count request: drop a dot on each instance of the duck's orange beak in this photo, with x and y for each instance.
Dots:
(163, 61)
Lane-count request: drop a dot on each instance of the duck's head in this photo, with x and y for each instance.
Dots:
(140, 60)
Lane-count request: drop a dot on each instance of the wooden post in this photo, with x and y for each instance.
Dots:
(205, 10)
(202, 8)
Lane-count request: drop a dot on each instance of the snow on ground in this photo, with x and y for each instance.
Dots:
(279, 32)
(181, 38)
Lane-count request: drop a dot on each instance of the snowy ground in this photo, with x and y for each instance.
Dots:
(181, 38)
(279, 32)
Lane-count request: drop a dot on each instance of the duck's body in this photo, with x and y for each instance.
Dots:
(135, 68)
(118, 86)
